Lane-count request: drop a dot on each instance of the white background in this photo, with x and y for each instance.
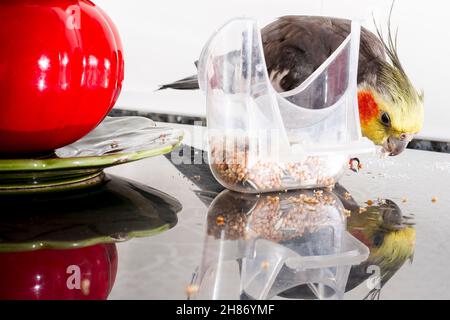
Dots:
(162, 40)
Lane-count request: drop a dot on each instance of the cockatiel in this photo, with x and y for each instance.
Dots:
(391, 109)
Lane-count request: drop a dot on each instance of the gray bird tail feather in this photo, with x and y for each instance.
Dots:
(189, 83)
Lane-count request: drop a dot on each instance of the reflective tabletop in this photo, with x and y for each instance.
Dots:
(399, 210)
(175, 233)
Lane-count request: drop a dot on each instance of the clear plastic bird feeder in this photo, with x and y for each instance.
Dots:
(262, 247)
(261, 140)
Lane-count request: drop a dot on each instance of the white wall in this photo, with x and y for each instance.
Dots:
(162, 39)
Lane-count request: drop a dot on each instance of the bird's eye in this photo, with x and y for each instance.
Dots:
(385, 119)
(378, 239)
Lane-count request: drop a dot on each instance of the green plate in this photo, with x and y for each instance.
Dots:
(115, 210)
(115, 141)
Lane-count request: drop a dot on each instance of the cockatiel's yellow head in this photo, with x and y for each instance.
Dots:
(391, 112)
(390, 119)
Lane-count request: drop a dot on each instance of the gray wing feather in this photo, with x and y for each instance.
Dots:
(295, 46)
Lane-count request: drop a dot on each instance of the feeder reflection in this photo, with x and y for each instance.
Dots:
(96, 73)
(258, 247)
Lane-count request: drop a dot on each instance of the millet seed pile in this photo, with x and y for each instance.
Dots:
(233, 167)
(275, 217)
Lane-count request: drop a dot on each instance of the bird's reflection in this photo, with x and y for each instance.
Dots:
(61, 245)
(391, 237)
(388, 234)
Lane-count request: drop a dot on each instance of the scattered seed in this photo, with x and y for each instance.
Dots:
(318, 193)
(354, 165)
(273, 199)
(347, 213)
(271, 220)
(191, 290)
(220, 220)
(278, 224)
(405, 200)
(347, 196)
(310, 200)
(86, 287)
(265, 265)
(434, 199)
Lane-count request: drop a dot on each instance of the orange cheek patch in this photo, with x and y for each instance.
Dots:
(368, 108)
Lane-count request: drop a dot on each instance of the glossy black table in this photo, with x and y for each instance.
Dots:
(404, 222)
(416, 184)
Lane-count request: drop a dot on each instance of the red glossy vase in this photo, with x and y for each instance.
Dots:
(76, 274)
(61, 72)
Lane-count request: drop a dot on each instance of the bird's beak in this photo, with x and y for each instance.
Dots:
(396, 145)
